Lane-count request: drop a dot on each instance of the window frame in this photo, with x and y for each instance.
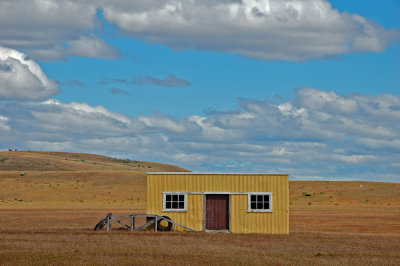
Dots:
(249, 209)
(164, 209)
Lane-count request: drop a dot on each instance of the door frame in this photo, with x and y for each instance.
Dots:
(205, 208)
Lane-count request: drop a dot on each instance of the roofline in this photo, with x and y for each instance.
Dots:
(210, 173)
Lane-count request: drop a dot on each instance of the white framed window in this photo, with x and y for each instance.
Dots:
(259, 201)
(174, 201)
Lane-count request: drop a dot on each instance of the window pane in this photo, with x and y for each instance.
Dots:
(168, 197)
(181, 197)
(168, 205)
(174, 205)
(175, 197)
(260, 202)
(181, 205)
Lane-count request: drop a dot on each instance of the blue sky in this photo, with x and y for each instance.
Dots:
(308, 87)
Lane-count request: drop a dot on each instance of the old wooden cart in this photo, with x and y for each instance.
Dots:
(153, 220)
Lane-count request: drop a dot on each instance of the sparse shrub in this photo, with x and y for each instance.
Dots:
(310, 203)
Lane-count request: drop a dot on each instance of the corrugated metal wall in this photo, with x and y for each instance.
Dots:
(241, 221)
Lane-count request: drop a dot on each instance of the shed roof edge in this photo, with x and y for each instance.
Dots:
(211, 173)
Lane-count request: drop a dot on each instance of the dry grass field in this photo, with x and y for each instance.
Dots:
(50, 202)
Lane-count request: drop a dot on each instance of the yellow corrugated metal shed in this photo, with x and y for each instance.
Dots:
(197, 188)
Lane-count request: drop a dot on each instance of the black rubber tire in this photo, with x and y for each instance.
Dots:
(102, 222)
(164, 228)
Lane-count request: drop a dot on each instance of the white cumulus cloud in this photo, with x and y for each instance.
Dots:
(319, 133)
(22, 78)
(75, 118)
(3, 123)
(91, 46)
(52, 29)
(264, 29)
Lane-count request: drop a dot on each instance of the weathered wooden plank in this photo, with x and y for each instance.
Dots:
(143, 215)
(173, 222)
(132, 223)
(109, 223)
(145, 225)
(112, 217)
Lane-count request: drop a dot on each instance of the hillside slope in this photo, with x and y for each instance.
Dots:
(63, 161)
(61, 179)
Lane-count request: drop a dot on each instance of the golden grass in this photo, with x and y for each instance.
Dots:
(45, 234)
(63, 161)
(56, 247)
(47, 218)
(353, 207)
(72, 187)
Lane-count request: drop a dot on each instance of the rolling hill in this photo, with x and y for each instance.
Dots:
(59, 178)
(63, 161)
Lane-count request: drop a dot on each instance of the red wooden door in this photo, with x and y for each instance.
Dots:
(217, 212)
